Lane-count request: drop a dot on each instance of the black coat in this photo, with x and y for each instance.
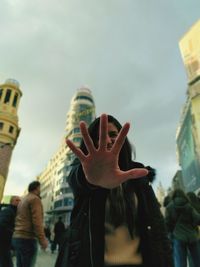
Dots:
(84, 243)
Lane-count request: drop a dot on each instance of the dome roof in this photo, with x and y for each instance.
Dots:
(12, 81)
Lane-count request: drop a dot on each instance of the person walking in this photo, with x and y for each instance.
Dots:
(47, 232)
(194, 201)
(29, 227)
(116, 219)
(182, 221)
(59, 230)
(7, 222)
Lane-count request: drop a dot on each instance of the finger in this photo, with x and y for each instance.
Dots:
(75, 150)
(133, 174)
(86, 137)
(103, 131)
(120, 139)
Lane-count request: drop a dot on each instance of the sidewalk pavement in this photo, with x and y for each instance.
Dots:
(44, 259)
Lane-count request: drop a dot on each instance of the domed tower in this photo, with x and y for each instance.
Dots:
(10, 95)
(82, 108)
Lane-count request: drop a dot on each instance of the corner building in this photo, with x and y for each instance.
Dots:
(56, 194)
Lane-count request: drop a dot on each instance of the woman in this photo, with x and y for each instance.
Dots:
(116, 219)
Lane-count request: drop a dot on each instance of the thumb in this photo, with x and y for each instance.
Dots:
(134, 174)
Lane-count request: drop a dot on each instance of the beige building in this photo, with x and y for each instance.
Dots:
(10, 95)
(190, 52)
(160, 193)
(48, 178)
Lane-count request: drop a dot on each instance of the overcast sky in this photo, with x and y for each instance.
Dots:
(125, 51)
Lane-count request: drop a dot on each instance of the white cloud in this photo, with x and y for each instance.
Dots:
(127, 51)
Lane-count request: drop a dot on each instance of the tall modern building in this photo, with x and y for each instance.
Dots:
(188, 133)
(56, 195)
(10, 95)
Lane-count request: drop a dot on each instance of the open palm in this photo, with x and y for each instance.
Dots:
(100, 165)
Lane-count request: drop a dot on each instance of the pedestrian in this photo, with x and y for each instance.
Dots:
(59, 230)
(194, 201)
(7, 222)
(116, 219)
(47, 232)
(167, 199)
(29, 227)
(182, 221)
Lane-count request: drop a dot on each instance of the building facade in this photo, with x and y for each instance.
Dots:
(188, 133)
(10, 95)
(160, 192)
(56, 195)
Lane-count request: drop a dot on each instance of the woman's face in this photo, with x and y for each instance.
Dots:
(111, 135)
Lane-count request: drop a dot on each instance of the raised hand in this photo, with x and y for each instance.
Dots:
(100, 165)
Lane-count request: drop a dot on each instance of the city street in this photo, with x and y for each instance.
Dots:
(44, 259)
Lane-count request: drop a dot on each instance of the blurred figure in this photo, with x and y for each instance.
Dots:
(166, 201)
(59, 230)
(182, 221)
(7, 222)
(47, 232)
(29, 227)
(195, 202)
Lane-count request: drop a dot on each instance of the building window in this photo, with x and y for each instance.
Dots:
(7, 97)
(15, 100)
(58, 204)
(1, 92)
(76, 130)
(68, 202)
(77, 139)
(1, 126)
(11, 129)
(85, 98)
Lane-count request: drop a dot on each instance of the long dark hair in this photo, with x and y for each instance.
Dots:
(121, 204)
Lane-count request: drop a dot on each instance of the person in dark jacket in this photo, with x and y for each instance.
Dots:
(182, 221)
(194, 201)
(116, 219)
(7, 222)
(59, 230)
(47, 232)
